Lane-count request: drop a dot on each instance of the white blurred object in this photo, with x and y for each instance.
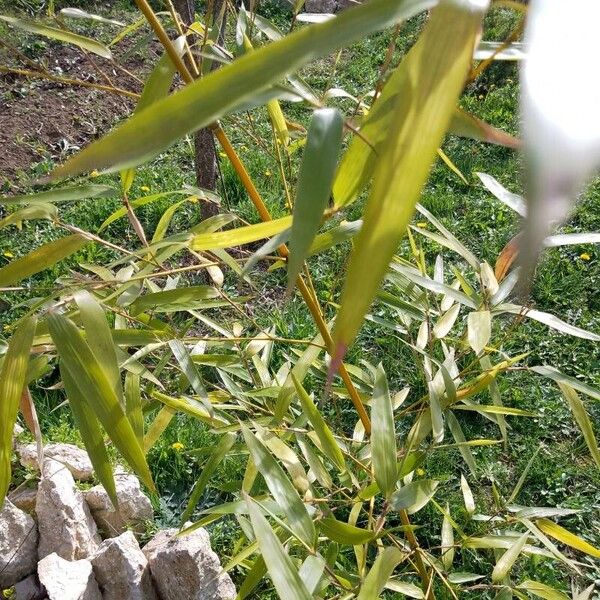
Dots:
(560, 109)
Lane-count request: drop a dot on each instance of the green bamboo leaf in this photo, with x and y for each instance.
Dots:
(380, 572)
(445, 323)
(157, 86)
(330, 447)
(559, 377)
(479, 329)
(583, 420)
(84, 368)
(99, 339)
(284, 574)
(467, 125)
(427, 102)
(77, 13)
(30, 213)
(91, 434)
(541, 590)
(202, 102)
(566, 537)
(13, 375)
(508, 559)
(161, 422)
(40, 259)
(133, 405)
(344, 533)
(383, 435)
(62, 194)
(311, 571)
(281, 488)
(181, 354)
(447, 547)
(414, 495)
(221, 449)
(61, 35)
(314, 184)
(459, 438)
(173, 300)
(495, 410)
(240, 235)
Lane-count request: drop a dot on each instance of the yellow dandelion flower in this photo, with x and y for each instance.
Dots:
(420, 472)
(222, 155)
(94, 173)
(422, 224)
(177, 446)
(8, 254)
(145, 188)
(6, 327)
(267, 173)
(585, 256)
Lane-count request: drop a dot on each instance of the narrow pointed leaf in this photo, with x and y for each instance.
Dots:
(314, 184)
(40, 259)
(447, 548)
(479, 328)
(62, 35)
(414, 495)
(61, 194)
(344, 533)
(508, 559)
(383, 436)
(95, 386)
(133, 405)
(202, 102)
(566, 537)
(13, 374)
(428, 99)
(541, 590)
(380, 572)
(284, 574)
(559, 377)
(281, 488)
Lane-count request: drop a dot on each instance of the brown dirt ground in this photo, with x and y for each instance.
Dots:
(41, 119)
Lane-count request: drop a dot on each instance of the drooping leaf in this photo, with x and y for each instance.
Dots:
(541, 590)
(479, 328)
(281, 488)
(559, 377)
(508, 559)
(468, 125)
(447, 537)
(184, 298)
(380, 572)
(330, 447)
(62, 35)
(344, 533)
(133, 405)
(427, 102)
(284, 574)
(29, 213)
(383, 435)
(13, 375)
(91, 434)
(414, 495)
(566, 537)
(314, 184)
(40, 259)
(94, 383)
(200, 103)
(77, 13)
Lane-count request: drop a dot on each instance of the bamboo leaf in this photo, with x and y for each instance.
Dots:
(558, 377)
(541, 590)
(508, 559)
(414, 495)
(281, 488)
(61, 194)
(467, 495)
(447, 548)
(445, 323)
(383, 435)
(99, 339)
(330, 447)
(223, 90)
(133, 405)
(468, 125)
(479, 329)
(513, 201)
(40, 259)
(13, 375)
(284, 575)
(311, 571)
(173, 300)
(426, 104)
(91, 434)
(62, 35)
(566, 537)
(583, 420)
(221, 449)
(344, 533)
(161, 422)
(314, 184)
(29, 213)
(84, 368)
(380, 572)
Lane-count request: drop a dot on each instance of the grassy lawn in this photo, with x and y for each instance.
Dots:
(567, 283)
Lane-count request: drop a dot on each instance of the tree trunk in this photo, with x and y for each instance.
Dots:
(205, 155)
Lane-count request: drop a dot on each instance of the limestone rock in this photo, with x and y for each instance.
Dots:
(122, 571)
(320, 6)
(18, 545)
(30, 589)
(24, 498)
(74, 458)
(64, 520)
(17, 431)
(186, 568)
(68, 580)
(134, 505)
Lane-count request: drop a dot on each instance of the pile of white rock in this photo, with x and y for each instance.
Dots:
(58, 542)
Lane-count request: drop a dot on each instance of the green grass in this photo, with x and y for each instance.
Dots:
(562, 474)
